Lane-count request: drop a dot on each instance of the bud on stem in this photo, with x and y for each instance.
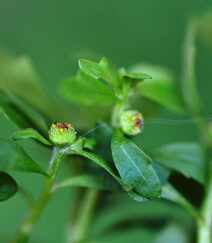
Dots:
(62, 133)
(131, 122)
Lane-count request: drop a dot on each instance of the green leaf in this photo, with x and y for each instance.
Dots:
(103, 70)
(189, 84)
(28, 111)
(30, 133)
(13, 157)
(115, 213)
(133, 75)
(186, 158)
(100, 162)
(8, 186)
(86, 90)
(84, 180)
(18, 76)
(135, 167)
(170, 193)
(90, 68)
(161, 88)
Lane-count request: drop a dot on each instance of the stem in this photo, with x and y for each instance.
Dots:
(80, 229)
(36, 210)
(205, 226)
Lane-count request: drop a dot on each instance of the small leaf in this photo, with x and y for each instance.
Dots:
(133, 75)
(85, 180)
(161, 88)
(100, 162)
(13, 157)
(103, 70)
(135, 167)
(90, 68)
(30, 133)
(186, 158)
(86, 90)
(8, 186)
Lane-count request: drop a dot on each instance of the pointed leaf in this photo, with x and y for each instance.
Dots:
(30, 133)
(161, 88)
(133, 75)
(84, 180)
(8, 186)
(13, 157)
(90, 68)
(86, 90)
(135, 167)
(100, 162)
(186, 158)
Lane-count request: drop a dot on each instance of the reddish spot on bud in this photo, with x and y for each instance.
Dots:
(63, 125)
(138, 122)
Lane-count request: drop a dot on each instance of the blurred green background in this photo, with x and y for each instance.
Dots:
(54, 34)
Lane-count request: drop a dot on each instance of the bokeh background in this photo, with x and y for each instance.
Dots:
(54, 34)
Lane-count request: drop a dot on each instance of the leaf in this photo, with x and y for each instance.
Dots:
(30, 133)
(170, 193)
(27, 110)
(18, 76)
(103, 70)
(8, 186)
(84, 180)
(92, 69)
(135, 167)
(189, 84)
(86, 90)
(13, 157)
(100, 162)
(114, 214)
(161, 88)
(133, 75)
(186, 158)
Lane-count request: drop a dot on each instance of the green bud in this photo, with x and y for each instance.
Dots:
(62, 133)
(131, 122)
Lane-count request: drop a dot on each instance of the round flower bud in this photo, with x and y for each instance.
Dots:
(131, 122)
(62, 133)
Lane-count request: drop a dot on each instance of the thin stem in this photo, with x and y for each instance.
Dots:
(205, 226)
(37, 208)
(80, 229)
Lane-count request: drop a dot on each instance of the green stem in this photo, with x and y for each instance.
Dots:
(37, 208)
(205, 225)
(80, 229)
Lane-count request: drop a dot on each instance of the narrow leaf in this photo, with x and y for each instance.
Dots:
(13, 157)
(30, 133)
(133, 75)
(85, 180)
(8, 186)
(135, 167)
(100, 162)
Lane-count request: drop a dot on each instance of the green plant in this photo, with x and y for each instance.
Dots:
(119, 165)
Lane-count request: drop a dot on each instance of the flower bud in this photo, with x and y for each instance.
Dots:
(62, 133)
(131, 122)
